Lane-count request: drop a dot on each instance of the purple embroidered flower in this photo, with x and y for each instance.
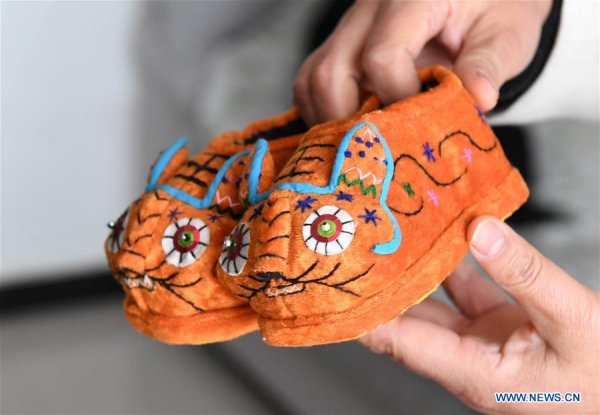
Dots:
(257, 212)
(214, 218)
(481, 115)
(173, 215)
(429, 153)
(343, 196)
(370, 216)
(305, 204)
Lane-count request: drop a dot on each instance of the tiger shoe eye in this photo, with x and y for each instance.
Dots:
(368, 216)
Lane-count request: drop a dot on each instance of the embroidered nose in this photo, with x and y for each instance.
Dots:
(268, 276)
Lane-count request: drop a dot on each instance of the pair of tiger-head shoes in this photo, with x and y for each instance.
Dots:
(314, 236)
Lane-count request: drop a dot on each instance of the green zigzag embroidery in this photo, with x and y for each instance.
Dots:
(371, 189)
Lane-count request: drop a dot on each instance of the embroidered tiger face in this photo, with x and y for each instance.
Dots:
(164, 247)
(323, 237)
(330, 233)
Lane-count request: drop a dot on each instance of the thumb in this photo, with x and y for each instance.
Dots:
(552, 299)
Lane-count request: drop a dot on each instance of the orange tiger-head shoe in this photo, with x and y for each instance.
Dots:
(368, 216)
(165, 247)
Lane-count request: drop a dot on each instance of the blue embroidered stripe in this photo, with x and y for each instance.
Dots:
(262, 148)
(163, 161)
(203, 203)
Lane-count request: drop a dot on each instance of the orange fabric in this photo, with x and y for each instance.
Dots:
(187, 304)
(448, 168)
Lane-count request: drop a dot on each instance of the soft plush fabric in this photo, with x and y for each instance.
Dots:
(368, 216)
(165, 246)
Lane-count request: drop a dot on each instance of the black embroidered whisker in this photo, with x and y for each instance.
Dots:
(186, 285)
(345, 290)
(167, 287)
(340, 285)
(335, 268)
(253, 278)
(359, 276)
(132, 252)
(304, 274)
(156, 267)
(253, 291)
(170, 277)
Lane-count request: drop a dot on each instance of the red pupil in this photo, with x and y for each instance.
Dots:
(178, 237)
(236, 245)
(314, 228)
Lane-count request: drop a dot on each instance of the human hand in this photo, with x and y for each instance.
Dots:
(547, 342)
(378, 45)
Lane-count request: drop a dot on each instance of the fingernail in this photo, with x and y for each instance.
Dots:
(484, 74)
(488, 91)
(488, 238)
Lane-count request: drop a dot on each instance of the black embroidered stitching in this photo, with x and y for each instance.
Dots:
(202, 167)
(132, 252)
(160, 198)
(293, 173)
(192, 179)
(139, 238)
(270, 256)
(227, 210)
(339, 286)
(429, 176)
(316, 145)
(278, 216)
(416, 212)
(301, 152)
(219, 155)
(168, 288)
(278, 237)
(473, 143)
(153, 215)
(311, 158)
(186, 285)
(156, 267)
